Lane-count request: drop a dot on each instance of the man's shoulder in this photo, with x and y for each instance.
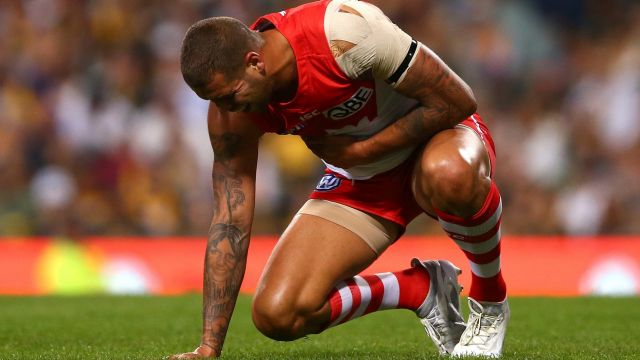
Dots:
(304, 14)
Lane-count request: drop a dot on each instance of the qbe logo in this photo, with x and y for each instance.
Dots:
(328, 182)
(356, 102)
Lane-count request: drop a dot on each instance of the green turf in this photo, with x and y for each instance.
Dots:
(153, 327)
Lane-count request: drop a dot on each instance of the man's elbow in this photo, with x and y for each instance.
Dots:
(470, 108)
(469, 105)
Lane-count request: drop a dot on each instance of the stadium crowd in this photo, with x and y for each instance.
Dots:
(100, 136)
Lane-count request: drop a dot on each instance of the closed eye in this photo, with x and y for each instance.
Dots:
(229, 96)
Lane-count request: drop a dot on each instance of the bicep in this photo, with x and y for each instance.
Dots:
(428, 76)
(234, 139)
(391, 55)
(364, 40)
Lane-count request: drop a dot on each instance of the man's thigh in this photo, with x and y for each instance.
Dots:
(312, 255)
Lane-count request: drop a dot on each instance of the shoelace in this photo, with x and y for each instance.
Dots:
(441, 326)
(483, 327)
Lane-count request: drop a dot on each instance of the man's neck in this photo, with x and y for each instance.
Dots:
(282, 67)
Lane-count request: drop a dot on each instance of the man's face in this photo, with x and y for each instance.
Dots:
(223, 260)
(248, 92)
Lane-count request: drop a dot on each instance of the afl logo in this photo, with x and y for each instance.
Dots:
(356, 102)
(328, 182)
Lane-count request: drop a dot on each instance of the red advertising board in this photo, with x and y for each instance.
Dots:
(531, 265)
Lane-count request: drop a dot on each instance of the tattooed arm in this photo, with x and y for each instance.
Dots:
(235, 145)
(445, 101)
(445, 98)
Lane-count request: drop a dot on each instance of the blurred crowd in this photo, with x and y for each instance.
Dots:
(100, 136)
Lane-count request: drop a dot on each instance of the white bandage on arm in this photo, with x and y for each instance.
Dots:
(380, 45)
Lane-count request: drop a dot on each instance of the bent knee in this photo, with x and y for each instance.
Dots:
(449, 178)
(277, 319)
(453, 183)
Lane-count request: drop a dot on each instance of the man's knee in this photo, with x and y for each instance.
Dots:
(278, 318)
(454, 183)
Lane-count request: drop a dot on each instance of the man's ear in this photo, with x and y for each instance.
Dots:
(254, 60)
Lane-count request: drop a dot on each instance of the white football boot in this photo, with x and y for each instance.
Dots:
(485, 330)
(440, 312)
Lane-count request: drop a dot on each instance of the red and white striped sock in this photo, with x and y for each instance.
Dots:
(361, 295)
(479, 238)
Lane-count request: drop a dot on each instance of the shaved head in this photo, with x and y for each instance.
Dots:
(216, 45)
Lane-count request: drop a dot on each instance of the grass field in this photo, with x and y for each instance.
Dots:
(153, 327)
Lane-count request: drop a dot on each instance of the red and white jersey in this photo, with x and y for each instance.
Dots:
(329, 98)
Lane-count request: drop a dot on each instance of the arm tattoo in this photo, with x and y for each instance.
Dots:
(227, 245)
(229, 189)
(438, 111)
(339, 47)
(224, 268)
(235, 196)
(225, 146)
(429, 118)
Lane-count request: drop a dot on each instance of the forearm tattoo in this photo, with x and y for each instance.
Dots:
(226, 184)
(428, 119)
(225, 146)
(438, 110)
(227, 244)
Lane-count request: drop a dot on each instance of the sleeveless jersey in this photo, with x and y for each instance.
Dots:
(327, 102)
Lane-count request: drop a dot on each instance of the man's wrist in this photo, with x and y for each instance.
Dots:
(208, 349)
(366, 149)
